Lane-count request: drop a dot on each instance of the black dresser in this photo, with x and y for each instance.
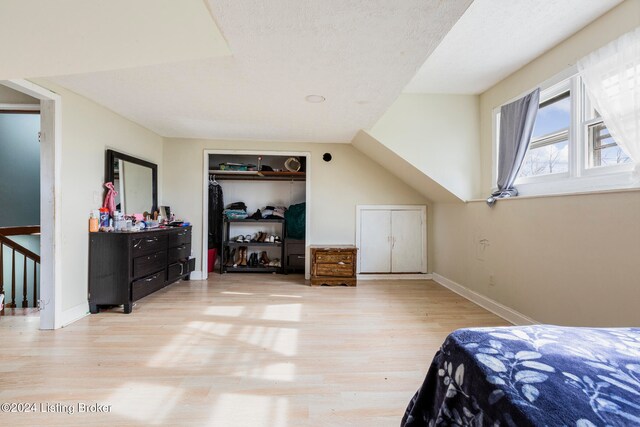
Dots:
(127, 266)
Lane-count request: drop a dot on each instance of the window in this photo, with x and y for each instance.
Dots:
(603, 150)
(549, 148)
(571, 149)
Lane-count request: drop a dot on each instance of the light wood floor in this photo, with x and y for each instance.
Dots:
(238, 350)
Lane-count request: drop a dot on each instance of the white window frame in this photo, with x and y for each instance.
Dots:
(580, 177)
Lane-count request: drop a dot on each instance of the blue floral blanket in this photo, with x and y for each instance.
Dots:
(532, 376)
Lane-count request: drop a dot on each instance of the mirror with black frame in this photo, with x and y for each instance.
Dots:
(135, 180)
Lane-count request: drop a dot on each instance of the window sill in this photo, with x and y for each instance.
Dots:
(587, 185)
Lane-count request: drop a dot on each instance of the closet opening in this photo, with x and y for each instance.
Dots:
(256, 212)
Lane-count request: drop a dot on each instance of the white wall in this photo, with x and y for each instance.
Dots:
(569, 260)
(88, 129)
(336, 187)
(437, 134)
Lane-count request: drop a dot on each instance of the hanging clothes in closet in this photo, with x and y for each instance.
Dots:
(216, 206)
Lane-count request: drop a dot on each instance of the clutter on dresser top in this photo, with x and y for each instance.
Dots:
(109, 219)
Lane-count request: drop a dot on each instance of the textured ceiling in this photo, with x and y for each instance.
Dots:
(45, 38)
(494, 38)
(359, 55)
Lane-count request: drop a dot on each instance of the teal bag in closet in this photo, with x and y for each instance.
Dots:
(295, 217)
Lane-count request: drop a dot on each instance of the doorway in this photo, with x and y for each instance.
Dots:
(304, 157)
(49, 299)
(20, 199)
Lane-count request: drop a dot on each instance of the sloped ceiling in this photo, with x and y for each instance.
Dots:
(359, 55)
(400, 167)
(40, 38)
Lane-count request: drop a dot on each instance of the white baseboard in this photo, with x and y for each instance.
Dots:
(495, 307)
(391, 276)
(73, 314)
(197, 275)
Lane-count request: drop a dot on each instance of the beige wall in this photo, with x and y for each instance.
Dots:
(88, 129)
(10, 96)
(569, 260)
(337, 187)
(438, 135)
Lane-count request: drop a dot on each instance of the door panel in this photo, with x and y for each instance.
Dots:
(375, 241)
(407, 246)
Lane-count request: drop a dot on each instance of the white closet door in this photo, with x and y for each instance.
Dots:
(375, 241)
(407, 245)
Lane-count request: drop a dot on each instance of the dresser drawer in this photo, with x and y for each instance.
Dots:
(334, 257)
(148, 264)
(179, 252)
(341, 270)
(176, 270)
(143, 287)
(148, 244)
(296, 260)
(179, 238)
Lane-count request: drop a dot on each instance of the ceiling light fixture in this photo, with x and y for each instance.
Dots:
(315, 99)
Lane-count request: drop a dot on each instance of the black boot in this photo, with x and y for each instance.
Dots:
(229, 257)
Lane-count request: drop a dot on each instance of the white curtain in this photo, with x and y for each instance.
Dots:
(611, 76)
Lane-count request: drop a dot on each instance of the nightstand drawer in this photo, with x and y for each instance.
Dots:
(340, 270)
(334, 257)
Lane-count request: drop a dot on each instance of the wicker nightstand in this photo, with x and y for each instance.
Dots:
(333, 265)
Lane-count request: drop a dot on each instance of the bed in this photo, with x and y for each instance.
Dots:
(538, 375)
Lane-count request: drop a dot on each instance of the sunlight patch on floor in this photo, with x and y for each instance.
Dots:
(285, 296)
(233, 409)
(148, 403)
(285, 371)
(179, 350)
(224, 310)
(284, 312)
(215, 328)
(236, 293)
(279, 340)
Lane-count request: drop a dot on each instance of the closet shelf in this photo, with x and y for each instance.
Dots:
(257, 176)
(233, 243)
(255, 220)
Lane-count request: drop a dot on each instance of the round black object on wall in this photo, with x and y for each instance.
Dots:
(326, 157)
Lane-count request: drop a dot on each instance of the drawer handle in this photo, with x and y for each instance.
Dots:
(150, 279)
(341, 263)
(300, 256)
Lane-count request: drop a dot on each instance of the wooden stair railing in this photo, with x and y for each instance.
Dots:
(28, 255)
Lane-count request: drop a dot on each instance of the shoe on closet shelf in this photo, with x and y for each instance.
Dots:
(230, 257)
(277, 239)
(263, 237)
(243, 256)
(239, 239)
(275, 262)
(264, 259)
(247, 238)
